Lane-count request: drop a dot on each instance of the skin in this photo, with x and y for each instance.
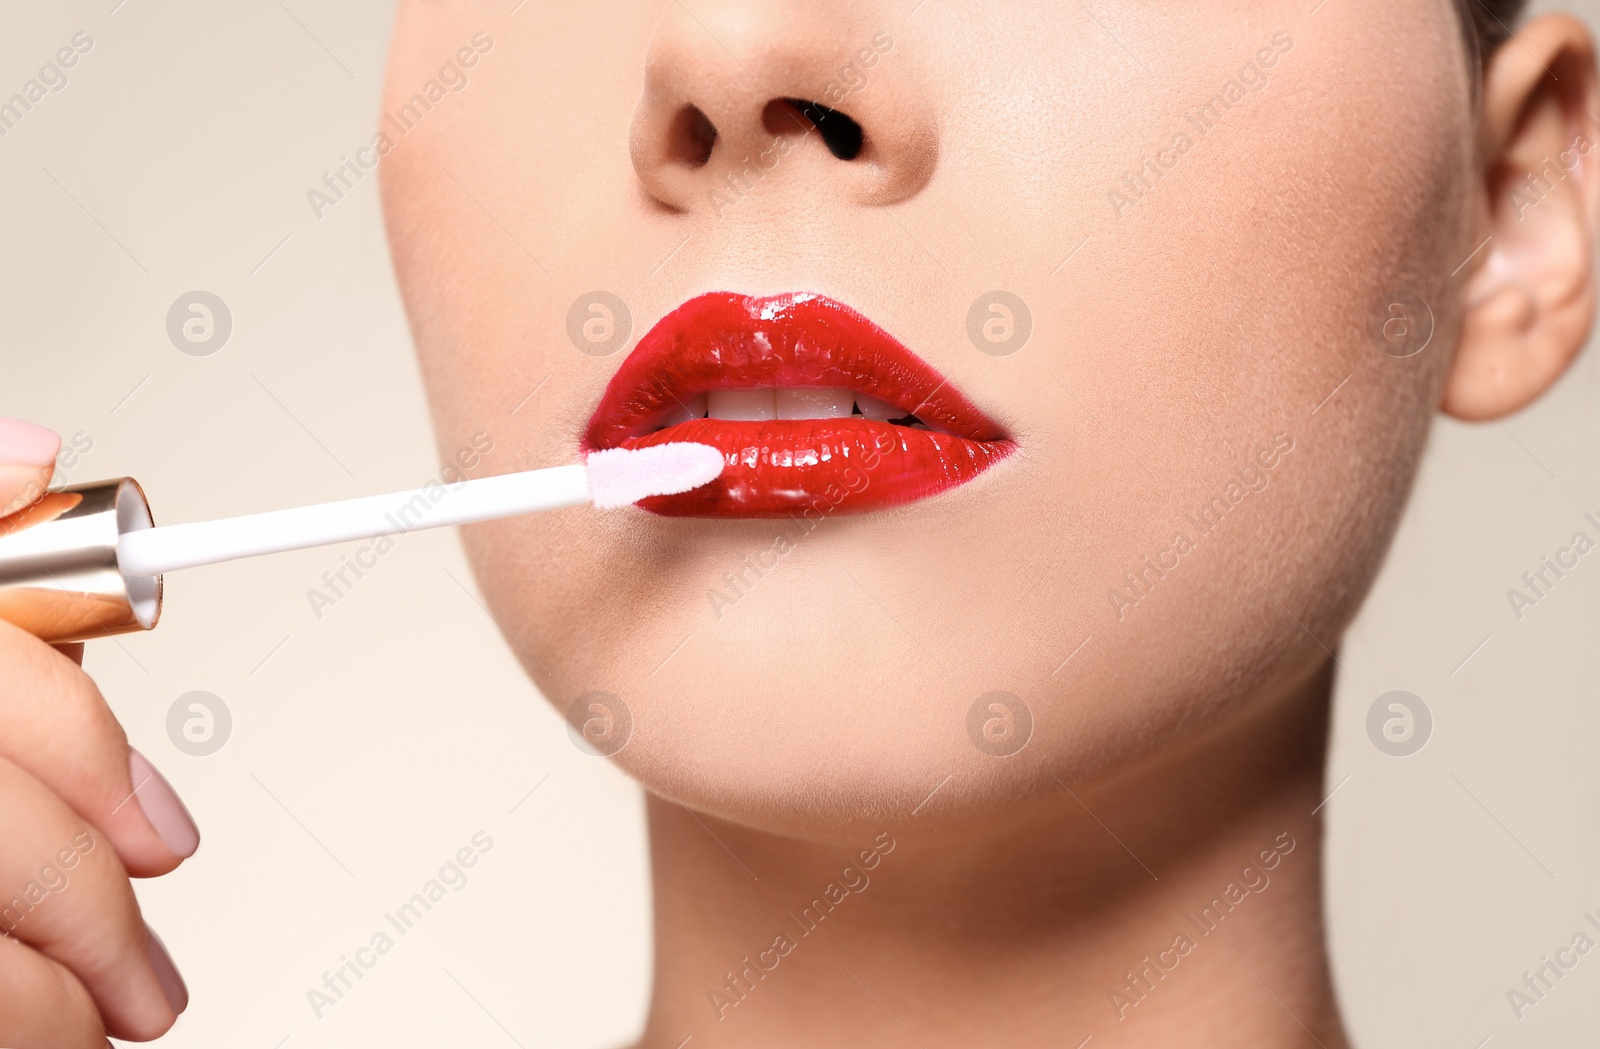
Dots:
(1218, 313)
(77, 968)
(788, 742)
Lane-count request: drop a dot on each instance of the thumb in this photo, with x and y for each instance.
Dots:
(27, 459)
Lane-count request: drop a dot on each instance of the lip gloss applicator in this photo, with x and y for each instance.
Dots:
(87, 561)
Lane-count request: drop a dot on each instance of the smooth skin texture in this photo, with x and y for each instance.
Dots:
(786, 735)
(80, 813)
(1183, 329)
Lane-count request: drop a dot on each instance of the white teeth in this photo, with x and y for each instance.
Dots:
(872, 408)
(802, 402)
(693, 408)
(742, 405)
(814, 402)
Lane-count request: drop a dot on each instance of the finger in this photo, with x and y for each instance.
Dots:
(43, 1004)
(27, 459)
(55, 724)
(64, 893)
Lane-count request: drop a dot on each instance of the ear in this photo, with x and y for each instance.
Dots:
(1531, 300)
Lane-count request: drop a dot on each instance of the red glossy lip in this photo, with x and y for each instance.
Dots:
(723, 341)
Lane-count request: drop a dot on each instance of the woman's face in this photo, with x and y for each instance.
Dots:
(1194, 270)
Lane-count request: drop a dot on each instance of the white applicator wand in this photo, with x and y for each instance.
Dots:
(87, 562)
(611, 478)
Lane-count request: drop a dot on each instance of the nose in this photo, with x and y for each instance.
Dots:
(809, 96)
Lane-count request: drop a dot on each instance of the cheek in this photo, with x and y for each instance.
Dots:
(1214, 303)
(496, 233)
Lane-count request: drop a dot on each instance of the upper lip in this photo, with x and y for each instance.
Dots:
(722, 341)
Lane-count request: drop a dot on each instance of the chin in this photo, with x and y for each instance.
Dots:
(880, 669)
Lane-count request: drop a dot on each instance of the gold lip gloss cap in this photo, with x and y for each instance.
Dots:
(59, 577)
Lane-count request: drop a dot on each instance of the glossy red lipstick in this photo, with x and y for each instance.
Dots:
(831, 413)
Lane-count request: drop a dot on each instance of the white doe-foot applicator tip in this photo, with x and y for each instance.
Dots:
(622, 476)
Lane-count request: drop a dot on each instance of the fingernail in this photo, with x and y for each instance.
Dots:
(24, 444)
(172, 984)
(162, 807)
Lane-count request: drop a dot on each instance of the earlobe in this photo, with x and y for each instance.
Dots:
(1530, 302)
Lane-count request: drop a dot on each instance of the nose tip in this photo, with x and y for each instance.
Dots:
(737, 92)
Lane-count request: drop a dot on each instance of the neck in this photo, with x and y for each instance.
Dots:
(1124, 910)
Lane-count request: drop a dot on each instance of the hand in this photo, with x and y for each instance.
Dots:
(80, 811)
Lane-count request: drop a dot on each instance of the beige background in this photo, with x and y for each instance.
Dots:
(369, 744)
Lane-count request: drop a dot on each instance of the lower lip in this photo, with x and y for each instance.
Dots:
(787, 467)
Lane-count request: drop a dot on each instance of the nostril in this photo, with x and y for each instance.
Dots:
(691, 137)
(781, 117)
(842, 135)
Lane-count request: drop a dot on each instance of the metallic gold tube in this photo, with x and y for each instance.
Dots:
(59, 578)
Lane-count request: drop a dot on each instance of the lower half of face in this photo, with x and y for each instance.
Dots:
(1146, 311)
